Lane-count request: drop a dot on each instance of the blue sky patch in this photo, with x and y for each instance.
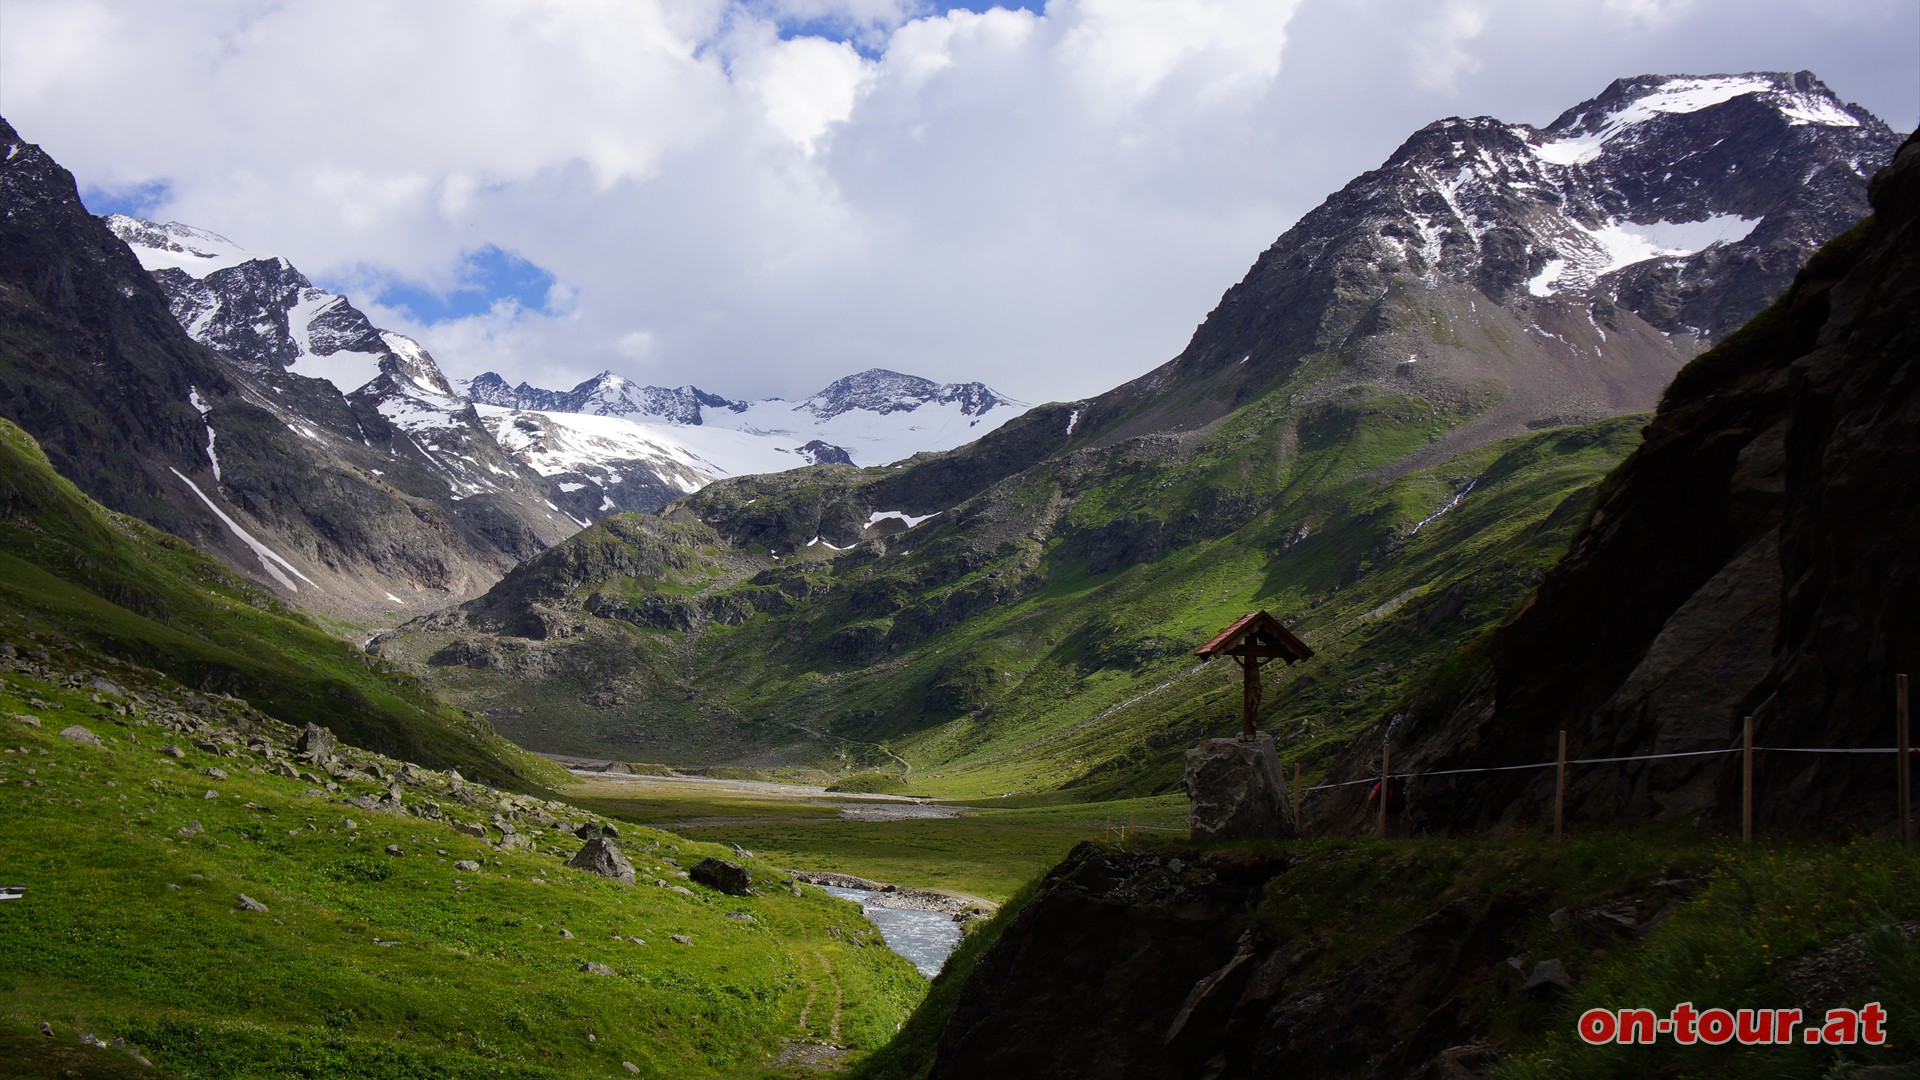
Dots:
(139, 200)
(487, 276)
(870, 41)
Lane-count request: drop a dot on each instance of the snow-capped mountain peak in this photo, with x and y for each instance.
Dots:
(180, 247)
(1581, 135)
(880, 391)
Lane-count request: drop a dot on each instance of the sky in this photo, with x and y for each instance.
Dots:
(760, 196)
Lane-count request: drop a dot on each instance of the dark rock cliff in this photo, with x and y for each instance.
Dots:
(1146, 965)
(1754, 557)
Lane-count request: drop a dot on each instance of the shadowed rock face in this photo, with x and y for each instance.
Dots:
(1139, 965)
(1754, 557)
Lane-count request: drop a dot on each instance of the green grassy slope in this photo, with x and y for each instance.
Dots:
(1038, 635)
(368, 963)
(104, 583)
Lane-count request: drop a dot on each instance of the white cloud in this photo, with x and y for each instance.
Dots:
(1049, 201)
(1442, 43)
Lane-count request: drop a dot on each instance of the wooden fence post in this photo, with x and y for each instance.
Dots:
(1296, 797)
(1560, 788)
(1746, 783)
(1903, 745)
(1386, 782)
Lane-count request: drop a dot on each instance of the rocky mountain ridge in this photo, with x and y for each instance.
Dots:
(284, 478)
(559, 457)
(1639, 226)
(611, 442)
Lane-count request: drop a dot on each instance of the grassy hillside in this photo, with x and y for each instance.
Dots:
(377, 955)
(86, 581)
(1036, 636)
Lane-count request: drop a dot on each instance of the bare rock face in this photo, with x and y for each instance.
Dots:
(602, 856)
(1237, 791)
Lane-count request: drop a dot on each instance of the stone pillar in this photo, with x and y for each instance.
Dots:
(1236, 791)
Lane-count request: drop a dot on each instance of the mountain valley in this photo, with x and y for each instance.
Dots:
(1597, 429)
(1386, 433)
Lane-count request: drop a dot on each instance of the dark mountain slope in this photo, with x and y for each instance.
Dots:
(1754, 557)
(151, 423)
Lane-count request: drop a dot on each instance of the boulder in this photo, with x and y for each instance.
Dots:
(81, 735)
(602, 856)
(1236, 791)
(728, 877)
(315, 740)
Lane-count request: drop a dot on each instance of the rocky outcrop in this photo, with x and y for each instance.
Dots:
(1753, 557)
(1236, 791)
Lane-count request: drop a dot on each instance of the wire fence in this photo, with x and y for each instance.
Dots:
(1903, 747)
(1425, 773)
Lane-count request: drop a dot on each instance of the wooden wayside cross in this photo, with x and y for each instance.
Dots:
(1252, 641)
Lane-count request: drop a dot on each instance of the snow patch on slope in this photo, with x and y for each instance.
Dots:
(1592, 253)
(268, 556)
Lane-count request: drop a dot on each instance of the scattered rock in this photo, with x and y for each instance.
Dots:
(728, 877)
(566, 934)
(216, 772)
(1236, 791)
(248, 903)
(680, 939)
(593, 968)
(81, 735)
(191, 828)
(1560, 919)
(741, 916)
(394, 849)
(211, 794)
(173, 751)
(602, 856)
(46, 1029)
(1547, 976)
(30, 721)
(631, 1067)
(88, 1038)
(467, 866)
(349, 824)
(103, 685)
(315, 740)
